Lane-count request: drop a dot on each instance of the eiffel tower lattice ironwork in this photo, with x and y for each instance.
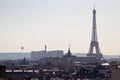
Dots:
(94, 41)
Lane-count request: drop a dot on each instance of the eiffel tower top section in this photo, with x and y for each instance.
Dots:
(94, 45)
(94, 39)
(94, 29)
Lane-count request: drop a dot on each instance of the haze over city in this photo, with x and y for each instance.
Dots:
(58, 23)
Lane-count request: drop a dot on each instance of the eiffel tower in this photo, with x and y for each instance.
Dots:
(94, 42)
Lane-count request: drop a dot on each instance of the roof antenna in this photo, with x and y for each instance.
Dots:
(94, 5)
(69, 46)
(45, 48)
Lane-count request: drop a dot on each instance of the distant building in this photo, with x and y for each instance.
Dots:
(36, 55)
(14, 55)
(68, 58)
(71, 58)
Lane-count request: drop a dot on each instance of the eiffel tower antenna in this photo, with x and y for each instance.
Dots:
(94, 5)
(94, 40)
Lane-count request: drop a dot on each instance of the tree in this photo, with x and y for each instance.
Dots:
(114, 63)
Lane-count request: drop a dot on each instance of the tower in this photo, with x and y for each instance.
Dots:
(94, 41)
(45, 48)
(69, 52)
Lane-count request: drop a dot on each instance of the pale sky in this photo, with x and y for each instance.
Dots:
(58, 23)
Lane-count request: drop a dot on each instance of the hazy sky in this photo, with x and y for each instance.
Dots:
(58, 23)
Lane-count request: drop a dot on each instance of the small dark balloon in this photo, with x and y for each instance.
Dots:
(22, 48)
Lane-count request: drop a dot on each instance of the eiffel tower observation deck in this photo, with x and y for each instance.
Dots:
(94, 45)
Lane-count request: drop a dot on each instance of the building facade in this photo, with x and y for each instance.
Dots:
(36, 55)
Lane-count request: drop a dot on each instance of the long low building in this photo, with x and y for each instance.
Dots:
(36, 55)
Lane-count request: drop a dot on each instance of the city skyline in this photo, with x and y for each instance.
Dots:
(58, 23)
